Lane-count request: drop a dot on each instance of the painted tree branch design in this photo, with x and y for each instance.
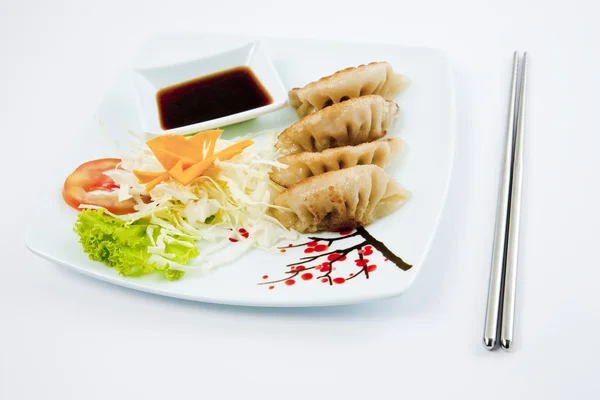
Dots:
(319, 263)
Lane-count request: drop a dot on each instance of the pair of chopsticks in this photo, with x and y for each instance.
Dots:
(500, 314)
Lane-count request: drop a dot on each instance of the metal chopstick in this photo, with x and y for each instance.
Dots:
(496, 272)
(512, 246)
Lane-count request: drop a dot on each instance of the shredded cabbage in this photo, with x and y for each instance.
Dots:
(225, 209)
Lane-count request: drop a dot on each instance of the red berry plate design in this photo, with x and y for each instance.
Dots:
(319, 262)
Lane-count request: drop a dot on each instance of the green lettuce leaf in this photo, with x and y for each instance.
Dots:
(125, 248)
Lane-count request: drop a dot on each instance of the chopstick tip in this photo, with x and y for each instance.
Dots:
(489, 343)
(506, 344)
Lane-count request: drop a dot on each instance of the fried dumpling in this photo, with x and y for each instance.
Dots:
(352, 122)
(305, 165)
(374, 78)
(339, 200)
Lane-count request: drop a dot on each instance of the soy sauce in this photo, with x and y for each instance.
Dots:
(209, 97)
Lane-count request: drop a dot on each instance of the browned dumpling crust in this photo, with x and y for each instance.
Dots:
(373, 78)
(304, 165)
(352, 122)
(338, 200)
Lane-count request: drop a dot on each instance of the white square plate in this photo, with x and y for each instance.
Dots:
(426, 124)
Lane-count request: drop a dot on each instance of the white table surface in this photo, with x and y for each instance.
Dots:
(65, 336)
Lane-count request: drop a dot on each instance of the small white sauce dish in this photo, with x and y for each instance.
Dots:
(149, 81)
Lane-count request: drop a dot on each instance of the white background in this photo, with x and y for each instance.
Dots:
(68, 337)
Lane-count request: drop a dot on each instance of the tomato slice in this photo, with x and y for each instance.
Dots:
(89, 177)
